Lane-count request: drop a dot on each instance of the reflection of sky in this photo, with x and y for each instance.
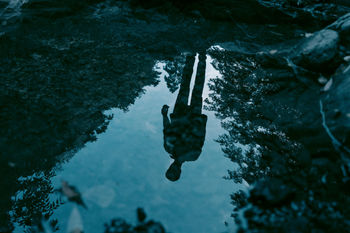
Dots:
(125, 169)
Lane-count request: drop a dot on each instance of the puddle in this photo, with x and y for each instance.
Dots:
(125, 169)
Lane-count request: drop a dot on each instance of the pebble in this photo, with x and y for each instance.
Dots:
(274, 51)
(307, 35)
(328, 85)
(36, 56)
(322, 80)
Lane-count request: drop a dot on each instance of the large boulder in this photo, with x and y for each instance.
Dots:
(337, 106)
(318, 52)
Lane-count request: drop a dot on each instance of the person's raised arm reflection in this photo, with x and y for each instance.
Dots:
(184, 132)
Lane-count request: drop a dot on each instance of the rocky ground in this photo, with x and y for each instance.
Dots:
(291, 111)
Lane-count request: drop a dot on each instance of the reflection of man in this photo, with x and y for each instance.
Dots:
(184, 136)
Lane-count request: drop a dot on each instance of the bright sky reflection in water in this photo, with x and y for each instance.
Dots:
(125, 169)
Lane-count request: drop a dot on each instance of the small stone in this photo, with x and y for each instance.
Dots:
(347, 58)
(346, 69)
(294, 206)
(322, 80)
(348, 115)
(337, 113)
(307, 35)
(345, 26)
(11, 164)
(36, 56)
(274, 51)
(328, 85)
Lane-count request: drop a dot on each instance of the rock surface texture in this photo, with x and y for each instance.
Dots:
(318, 52)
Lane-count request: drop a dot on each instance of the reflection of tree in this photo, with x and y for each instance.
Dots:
(239, 100)
(121, 226)
(28, 198)
(274, 134)
(55, 85)
(57, 78)
(174, 69)
(32, 204)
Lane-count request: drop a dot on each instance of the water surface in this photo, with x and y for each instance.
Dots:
(125, 169)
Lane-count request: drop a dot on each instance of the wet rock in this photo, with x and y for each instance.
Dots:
(241, 47)
(149, 3)
(337, 107)
(53, 9)
(342, 25)
(271, 60)
(219, 10)
(322, 80)
(308, 12)
(318, 52)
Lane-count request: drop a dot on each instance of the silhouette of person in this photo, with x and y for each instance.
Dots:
(184, 135)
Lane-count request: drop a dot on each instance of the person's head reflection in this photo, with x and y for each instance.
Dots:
(174, 171)
(184, 132)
